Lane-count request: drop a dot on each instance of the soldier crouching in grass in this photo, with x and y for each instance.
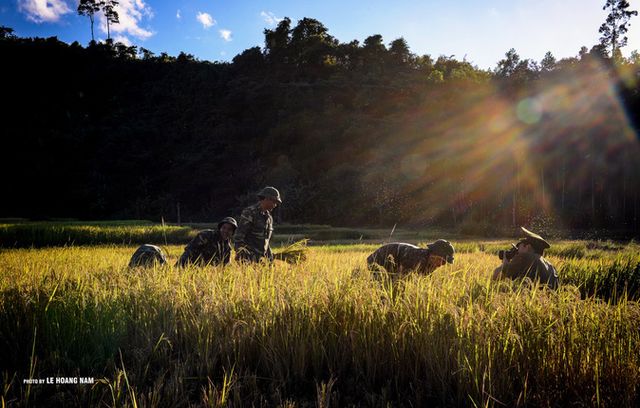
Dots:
(210, 247)
(148, 255)
(256, 227)
(401, 258)
(525, 260)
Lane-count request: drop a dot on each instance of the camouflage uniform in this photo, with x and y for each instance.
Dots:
(207, 248)
(253, 234)
(399, 257)
(532, 266)
(147, 255)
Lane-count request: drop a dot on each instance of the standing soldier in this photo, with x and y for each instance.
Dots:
(256, 226)
(210, 247)
(525, 260)
(399, 257)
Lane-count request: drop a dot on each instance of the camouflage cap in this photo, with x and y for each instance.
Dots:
(270, 192)
(442, 248)
(535, 240)
(228, 220)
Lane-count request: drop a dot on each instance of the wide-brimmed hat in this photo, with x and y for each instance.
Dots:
(535, 240)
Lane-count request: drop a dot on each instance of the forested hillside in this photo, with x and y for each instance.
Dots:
(351, 133)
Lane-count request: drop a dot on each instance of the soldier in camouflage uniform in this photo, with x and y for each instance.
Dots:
(210, 247)
(399, 258)
(528, 262)
(256, 226)
(147, 255)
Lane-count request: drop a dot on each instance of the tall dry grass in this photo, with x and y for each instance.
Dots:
(319, 333)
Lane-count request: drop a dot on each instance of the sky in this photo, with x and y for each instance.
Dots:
(479, 31)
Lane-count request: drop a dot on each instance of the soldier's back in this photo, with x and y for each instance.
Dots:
(147, 255)
(398, 257)
(532, 266)
(206, 248)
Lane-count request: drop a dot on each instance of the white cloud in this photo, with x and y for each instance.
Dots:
(122, 39)
(178, 15)
(225, 34)
(130, 14)
(270, 18)
(40, 11)
(205, 19)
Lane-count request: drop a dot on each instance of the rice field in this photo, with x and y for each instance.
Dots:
(321, 333)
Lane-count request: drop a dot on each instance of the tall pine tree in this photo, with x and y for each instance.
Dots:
(613, 30)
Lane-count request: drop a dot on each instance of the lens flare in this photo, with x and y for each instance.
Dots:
(553, 151)
(529, 111)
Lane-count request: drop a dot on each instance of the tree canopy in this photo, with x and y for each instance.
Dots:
(614, 29)
(350, 133)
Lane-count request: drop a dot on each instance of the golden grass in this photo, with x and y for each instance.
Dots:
(319, 332)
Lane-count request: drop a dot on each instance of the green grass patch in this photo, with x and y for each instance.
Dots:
(43, 234)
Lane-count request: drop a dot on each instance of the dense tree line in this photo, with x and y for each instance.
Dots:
(351, 133)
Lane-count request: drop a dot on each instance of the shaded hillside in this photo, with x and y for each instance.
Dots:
(350, 133)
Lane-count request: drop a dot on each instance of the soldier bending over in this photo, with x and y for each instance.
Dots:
(402, 258)
(210, 247)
